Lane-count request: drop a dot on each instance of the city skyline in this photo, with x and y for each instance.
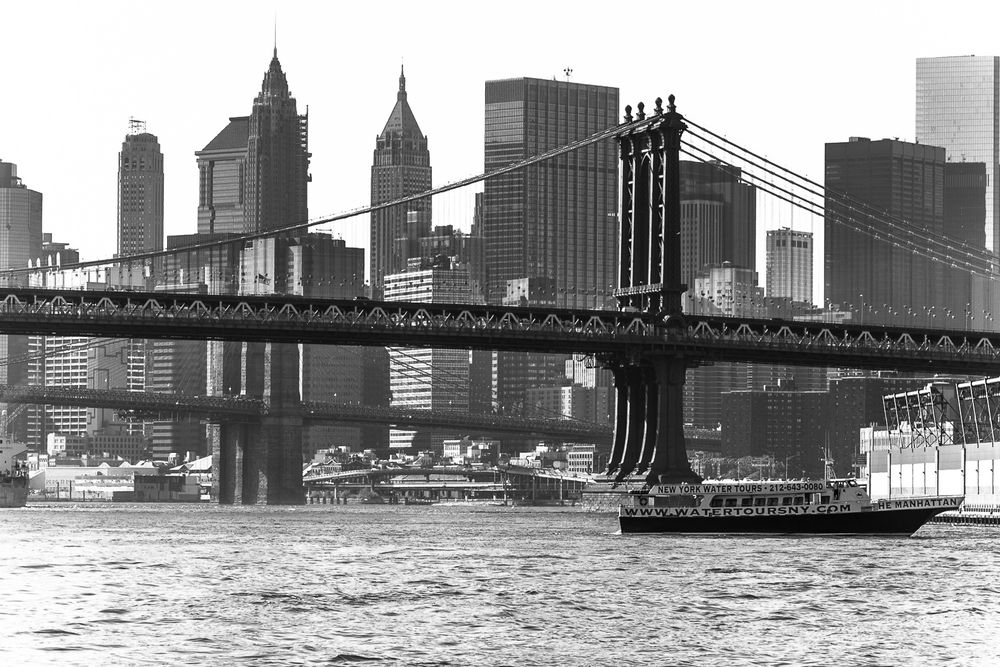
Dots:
(824, 94)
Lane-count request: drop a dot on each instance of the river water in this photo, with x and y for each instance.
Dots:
(98, 584)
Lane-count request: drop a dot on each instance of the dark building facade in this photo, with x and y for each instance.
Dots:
(786, 425)
(871, 277)
(140, 192)
(401, 166)
(557, 220)
(965, 294)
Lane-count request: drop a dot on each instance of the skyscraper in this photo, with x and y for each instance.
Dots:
(20, 220)
(140, 192)
(277, 158)
(20, 241)
(872, 277)
(958, 109)
(789, 265)
(557, 219)
(401, 166)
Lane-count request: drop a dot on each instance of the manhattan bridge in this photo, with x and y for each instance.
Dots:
(649, 340)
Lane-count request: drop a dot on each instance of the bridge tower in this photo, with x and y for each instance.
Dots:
(649, 423)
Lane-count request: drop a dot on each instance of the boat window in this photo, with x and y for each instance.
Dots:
(824, 500)
(772, 501)
(786, 500)
(759, 502)
(797, 500)
(746, 502)
(730, 502)
(716, 502)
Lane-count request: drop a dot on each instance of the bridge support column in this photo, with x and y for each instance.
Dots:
(621, 418)
(636, 426)
(669, 463)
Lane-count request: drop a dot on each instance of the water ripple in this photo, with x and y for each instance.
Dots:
(450, 586)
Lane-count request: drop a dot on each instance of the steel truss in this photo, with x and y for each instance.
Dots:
(623, 335)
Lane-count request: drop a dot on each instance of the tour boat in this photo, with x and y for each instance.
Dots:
(833, 506)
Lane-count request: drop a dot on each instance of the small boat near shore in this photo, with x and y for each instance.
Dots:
(13, 475)
(833, 506)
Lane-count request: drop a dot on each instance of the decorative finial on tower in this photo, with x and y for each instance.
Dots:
(659, 106)
(640, 111)
(672, 108)
(402, 79)
(628, 113)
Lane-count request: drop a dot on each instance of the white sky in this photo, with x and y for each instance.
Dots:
(781, 78)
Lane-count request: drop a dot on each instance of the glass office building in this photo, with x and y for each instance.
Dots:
(958, 109)
(558, 219)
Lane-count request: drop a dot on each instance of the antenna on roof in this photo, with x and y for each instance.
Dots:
(569, 72)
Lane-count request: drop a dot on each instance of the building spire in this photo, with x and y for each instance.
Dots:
(275, 35)
(402, 84)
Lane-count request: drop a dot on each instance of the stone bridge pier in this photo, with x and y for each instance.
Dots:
(257, 462)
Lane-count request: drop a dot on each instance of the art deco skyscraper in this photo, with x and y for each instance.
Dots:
(277, 159)
(958, 109)
(140, 192)
(401, 166)
(559, 219)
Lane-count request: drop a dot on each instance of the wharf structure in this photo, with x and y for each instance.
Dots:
(941, 439)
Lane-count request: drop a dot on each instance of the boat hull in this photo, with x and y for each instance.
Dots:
(873, 522)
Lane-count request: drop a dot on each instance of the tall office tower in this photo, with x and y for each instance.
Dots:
(20, 220)
(718, 219)
(401, 166)
(790, 265)
(958, 109)
(557, 219)
(871, 277)
(221, 175)
(277, 163)
(140, 192)
(701, 242)
(140, 225)
(428, 379)
(20, 242)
